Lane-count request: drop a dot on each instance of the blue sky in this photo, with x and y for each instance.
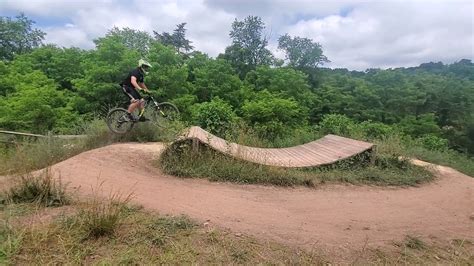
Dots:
(354, 34)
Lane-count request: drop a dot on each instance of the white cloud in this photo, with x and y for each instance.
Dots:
(393, 34)
(354, 34)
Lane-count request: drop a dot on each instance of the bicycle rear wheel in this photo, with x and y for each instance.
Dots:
(165, 114)
(118, 122)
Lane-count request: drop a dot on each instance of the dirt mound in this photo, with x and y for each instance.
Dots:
(339, 219)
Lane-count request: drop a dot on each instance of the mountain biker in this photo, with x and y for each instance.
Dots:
(131, 86)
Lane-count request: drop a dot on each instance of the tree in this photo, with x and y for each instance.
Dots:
(36, 105)
(177, 39)
(285, 82)
(130, 38)
(302, 53)
(216, 78)
(18, 36)
(248, 49)
(61, 64)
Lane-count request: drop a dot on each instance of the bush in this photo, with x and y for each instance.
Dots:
(375, 130)
(433, 143)
(337, 124)
(272, 116)
(215, 116)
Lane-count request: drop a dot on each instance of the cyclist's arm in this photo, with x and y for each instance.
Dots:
(143, 86)
(133, 80)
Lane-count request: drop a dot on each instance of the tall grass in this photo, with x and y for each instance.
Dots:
(182, 160)
(99, 216)
(41, 189)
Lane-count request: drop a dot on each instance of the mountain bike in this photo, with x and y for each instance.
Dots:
(161, 114)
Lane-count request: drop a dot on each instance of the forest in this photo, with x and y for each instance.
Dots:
(47, 88)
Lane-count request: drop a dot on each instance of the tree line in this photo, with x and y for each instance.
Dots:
(51, 88)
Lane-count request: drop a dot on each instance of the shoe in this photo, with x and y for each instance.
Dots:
(143, 119)
(124, 118)
(132, 117)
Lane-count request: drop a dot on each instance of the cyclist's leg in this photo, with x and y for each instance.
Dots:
(135, 100)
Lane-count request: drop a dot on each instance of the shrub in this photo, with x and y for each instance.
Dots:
(433, 143)
(337, 124)
(272, 116)
(375, 130)
(216, 116)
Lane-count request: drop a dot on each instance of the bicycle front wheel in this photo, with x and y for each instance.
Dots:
(118, 121)
(165, 114)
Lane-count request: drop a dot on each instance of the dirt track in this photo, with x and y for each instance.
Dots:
(334, 218)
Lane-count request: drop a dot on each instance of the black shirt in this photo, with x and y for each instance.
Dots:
(134, 73)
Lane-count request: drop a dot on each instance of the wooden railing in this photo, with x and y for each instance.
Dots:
(13, 136)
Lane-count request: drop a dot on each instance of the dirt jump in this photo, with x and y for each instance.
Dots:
(337, 219)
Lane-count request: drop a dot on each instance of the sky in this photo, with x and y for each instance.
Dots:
(354, 34)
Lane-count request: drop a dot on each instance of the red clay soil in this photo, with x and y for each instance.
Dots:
(336, 219)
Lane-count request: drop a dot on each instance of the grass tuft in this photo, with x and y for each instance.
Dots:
(41, 189)
(99, 217)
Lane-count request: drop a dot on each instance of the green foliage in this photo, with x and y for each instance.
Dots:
(133, 39)
(337, 124)
(104, 68)
(216, 78)
(419, 126)
(285, 82)
(177, 39)
(36, 105)
(18, 36)
(302, 53)
(216, 116)
(272, 116)
(375, 130)
(248, 49)
(432, 142)
(169, 73)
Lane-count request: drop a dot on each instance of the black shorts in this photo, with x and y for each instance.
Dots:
(131, 93)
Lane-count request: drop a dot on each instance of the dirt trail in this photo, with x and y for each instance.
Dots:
(333, 218)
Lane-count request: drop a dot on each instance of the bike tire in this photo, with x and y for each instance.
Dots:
(114, 123)
(165, 114)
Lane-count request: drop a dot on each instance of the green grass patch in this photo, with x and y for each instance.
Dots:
(141, 237)
(456, 160)
(398, 146)
(181, 160)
